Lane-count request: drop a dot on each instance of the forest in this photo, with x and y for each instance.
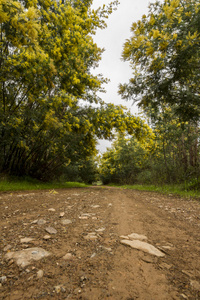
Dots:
(51, 116)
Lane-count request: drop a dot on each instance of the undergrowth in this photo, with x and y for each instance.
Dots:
(180, 190)
(32, 184)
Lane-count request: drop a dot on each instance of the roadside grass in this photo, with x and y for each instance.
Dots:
(31, 184)
(179, 190)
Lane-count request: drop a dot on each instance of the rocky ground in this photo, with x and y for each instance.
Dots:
(99, 243)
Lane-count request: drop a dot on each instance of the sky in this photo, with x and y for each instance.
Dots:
(112, 39)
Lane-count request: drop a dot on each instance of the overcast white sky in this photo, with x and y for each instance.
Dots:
(112, 39)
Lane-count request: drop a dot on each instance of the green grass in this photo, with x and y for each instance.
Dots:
(164, 189)
(31, 184)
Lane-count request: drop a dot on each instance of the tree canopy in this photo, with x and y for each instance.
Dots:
(50, 114)
(164, 54)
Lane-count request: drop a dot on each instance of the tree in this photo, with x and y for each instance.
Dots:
(126, 159)
(47, 117)
(164, 54)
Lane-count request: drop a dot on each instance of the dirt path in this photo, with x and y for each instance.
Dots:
(87, 259)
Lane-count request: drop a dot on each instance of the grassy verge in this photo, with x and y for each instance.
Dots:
(165, 189)
(21, 185)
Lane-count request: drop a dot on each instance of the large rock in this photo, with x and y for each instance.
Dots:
(145, 247)
(24, 257)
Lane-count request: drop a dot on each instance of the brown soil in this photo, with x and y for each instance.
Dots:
(101, 268)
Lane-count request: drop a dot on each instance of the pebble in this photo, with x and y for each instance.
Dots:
(59, 288)
(46, 237)
(93, 255)
(62, 214)
(3, 279)
(40, 274)
(77, 291)
(183, 296)
(195, 284)
(135, 236)
(51, 230)
(91, 236)
(106, 248)
(68, 256)
(95, 206)
(66, 222)
(6, 248)
(34, 222)
(26, 240)
(51, 209)
(41, 222)
(100, 230)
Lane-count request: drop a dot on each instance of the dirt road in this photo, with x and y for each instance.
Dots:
(81, 229)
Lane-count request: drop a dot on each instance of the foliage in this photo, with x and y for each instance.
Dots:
(173, 189)
(47, 95)
(84, 170)
(125, 160)
(169, 155)
(24, 184)
(164, 54)
(176, 156)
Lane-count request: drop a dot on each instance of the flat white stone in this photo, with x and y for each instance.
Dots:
(34, 222)
(26, 240)
(135, 236)
(66, 221)
(47, 237)
(51, 209)
(62, 214)
(145, 247)
(100, 230)
(24, 257)
(41, 222)
(68, 256)
(93, 255)
(125, 237)
(90, 237)
(106, 248)
(51, 230)
(89, 214)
